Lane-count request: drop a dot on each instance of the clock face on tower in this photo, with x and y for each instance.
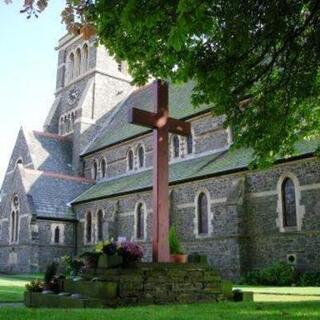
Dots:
(73, 95)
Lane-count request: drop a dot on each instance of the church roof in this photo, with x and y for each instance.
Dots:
(117, 128)
(50, 193)
(216, 164)
(50, 152)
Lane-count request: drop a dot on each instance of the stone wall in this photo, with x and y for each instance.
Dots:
(244, 219)
(266, 241)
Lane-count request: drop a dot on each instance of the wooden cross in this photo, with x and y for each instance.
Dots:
(161, 124)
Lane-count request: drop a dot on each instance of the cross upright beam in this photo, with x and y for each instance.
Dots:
(161, 124)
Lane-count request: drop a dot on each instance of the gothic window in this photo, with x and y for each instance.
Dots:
(289, 209)
(175, 147)
(189, 144)
(103, 166)
(89, 227)
(140, 222)
(100, 225)
(130, 159)
(85, 57)
(57, 235)
(141, 156)
(71, 67)
(202, 209)
(77, 63)
(95, 170)
(14, 225)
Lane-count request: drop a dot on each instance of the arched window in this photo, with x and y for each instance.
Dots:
(72, 120)
(202, 208)
(140, 222)
(100, 225)
(57, 235)
(89, 228)
(62, 126)
(103, 166)
(141, 156)
(77, 64)
(175, 147)
(66, 124)
(14, 225)
(289, 209)
(19, 161)
(95, 170)
(189, 144)
(130, 159)
(71, 67)
(85, 58)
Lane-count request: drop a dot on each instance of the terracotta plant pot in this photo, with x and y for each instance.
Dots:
(179, 258)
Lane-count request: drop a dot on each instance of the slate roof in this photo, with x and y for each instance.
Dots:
(196, 168)
(118, 129)
(49, 193)
(50, 152)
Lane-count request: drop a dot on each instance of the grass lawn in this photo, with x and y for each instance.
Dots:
(222, 310)
(13, 286)
(282, 290)
(270, 303)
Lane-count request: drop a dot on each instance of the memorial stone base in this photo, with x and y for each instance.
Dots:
(142, 284)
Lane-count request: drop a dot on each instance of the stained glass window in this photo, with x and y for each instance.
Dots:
(289, 203)
(202, 214)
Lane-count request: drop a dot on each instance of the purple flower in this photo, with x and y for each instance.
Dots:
(130, 251)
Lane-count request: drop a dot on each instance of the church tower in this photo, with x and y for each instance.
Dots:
(89, 84)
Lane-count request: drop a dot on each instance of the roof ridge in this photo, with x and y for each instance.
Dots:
(60, 176)
(49, 135)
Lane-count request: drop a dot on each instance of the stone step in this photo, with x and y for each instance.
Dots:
(94, 289)
(35, 299)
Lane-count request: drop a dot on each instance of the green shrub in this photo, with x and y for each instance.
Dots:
(65, 265)
(174, 242)
(310, 279)
(278, 274)
(51, 272)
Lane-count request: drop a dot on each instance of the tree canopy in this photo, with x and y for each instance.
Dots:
(257, 61)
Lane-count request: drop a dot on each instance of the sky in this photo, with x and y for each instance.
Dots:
(28, 64)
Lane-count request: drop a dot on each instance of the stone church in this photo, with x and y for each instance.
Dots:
(87, 177)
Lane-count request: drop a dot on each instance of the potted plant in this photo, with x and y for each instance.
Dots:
(176, 253)
(90, 259)
(130, 252)
(109, 257)
(33, 286)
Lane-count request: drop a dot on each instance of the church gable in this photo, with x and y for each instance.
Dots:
(15, 201)
(51, 152)
(20, 154)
